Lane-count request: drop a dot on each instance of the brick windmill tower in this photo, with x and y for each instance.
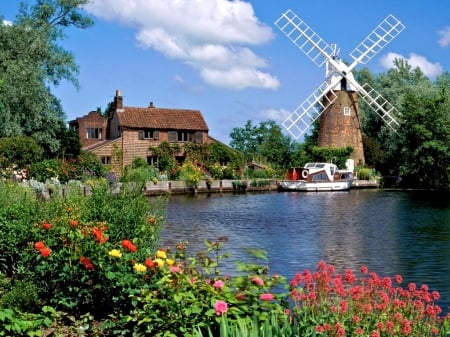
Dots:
(335, 101)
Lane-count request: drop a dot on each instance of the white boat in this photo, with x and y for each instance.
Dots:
(315, 177)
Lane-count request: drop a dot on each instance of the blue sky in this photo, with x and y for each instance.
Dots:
(227, 58)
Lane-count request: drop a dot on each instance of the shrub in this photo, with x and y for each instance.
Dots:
(20, 151)
(365, 174)
(140, 174)
(20, 208)
(190, 174)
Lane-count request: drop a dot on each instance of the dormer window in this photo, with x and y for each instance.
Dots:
(93, 133)
(346, 111)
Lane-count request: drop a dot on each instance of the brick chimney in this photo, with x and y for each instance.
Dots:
(118, 100)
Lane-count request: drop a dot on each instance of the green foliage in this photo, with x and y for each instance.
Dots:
(425, 157)
(365, 173)
(166, 158)
(86, 166)
(66, 253)
(274, 326)
(20, 208)
(190, 174)
(420, 152)
(266, 141)
(15, 323)
(31, 60)
(22, 296)
(19, 151)
(139, 162)
(140, 174)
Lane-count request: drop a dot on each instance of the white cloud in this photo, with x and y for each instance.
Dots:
(275, 115)
(444, 41)
(414, 60)
(213, 36)
(7, 23)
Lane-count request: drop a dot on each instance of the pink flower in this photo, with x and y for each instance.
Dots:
(258, 281)
(218, 284)
(175, 269)
(266, 297)
(221, 307)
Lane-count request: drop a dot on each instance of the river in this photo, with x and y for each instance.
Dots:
(391, 232)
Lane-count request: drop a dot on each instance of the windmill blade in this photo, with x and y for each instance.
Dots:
(304, 38)
(380, 105)
(384, 33)
(306, 113)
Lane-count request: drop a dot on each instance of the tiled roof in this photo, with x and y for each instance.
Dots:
(157, 118)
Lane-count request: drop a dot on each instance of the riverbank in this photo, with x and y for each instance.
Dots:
(226, 186)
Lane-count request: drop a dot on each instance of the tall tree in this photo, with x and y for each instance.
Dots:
(265, 142)
(425, 138)
(31, 61)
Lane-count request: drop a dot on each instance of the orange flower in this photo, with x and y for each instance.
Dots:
(86, 262)
(45, 252)
(149, 263)
(46, 225)
(74, 223)
(98, 234)
(39, 245)
(129, 245)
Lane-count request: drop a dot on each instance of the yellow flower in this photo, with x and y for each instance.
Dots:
(140, 267)
(161, 254)
(159, 262)
(170, 262)
(115, 253)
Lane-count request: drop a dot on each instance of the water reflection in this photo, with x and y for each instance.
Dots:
(391, 232)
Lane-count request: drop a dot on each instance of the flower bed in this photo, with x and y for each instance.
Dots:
(91, 265)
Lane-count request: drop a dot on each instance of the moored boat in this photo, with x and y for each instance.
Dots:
(315, 177)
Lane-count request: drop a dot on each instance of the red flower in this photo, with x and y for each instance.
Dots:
(45, 252)
(258, 281)
(46, 225)
(74, 223)
(39, 245)
(129, 245)
(98, 234)
(266, 297)
(149, 263)
(86, 262)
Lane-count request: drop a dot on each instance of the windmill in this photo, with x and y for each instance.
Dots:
(335, 100)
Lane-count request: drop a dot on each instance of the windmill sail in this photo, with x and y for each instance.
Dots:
(383, 34)
(304, 37)
(380, 105)
(306, 113)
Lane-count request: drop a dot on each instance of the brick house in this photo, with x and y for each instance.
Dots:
(128, 132)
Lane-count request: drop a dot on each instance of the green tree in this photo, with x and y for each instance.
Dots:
(31, 61)
(425, 138)
(265, 142)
